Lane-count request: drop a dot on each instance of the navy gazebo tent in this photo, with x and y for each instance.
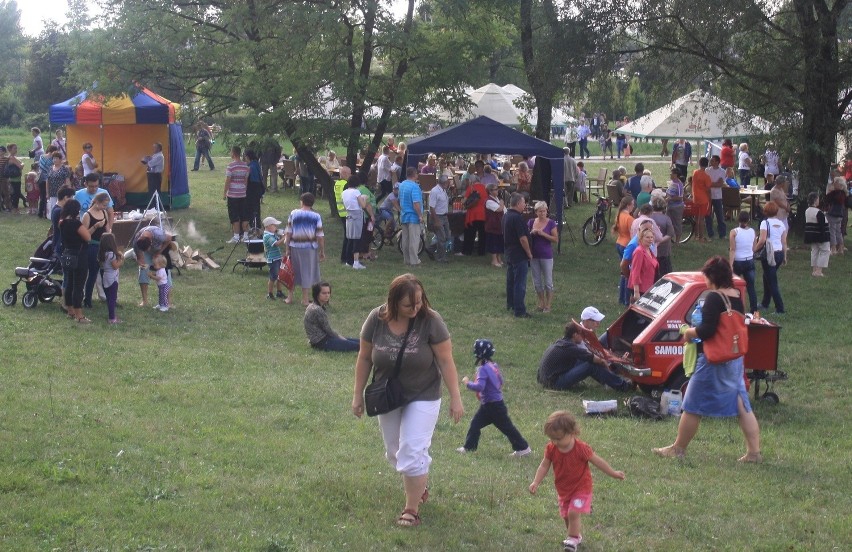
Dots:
(484, 135)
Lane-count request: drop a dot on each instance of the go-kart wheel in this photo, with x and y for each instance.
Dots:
(770, 397)
(30, 300)
(10, 297)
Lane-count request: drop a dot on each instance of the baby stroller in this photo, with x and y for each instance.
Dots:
(40, 285)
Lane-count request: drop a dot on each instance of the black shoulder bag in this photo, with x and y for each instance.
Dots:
(380, 397)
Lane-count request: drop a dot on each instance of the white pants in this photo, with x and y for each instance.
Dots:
(51, 202)
(410, 242)
(407, 433)
(819, 254)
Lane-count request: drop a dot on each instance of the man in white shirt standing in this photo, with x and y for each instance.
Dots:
(383, 173)
(717, 182)
(155, 164)
(439, 206)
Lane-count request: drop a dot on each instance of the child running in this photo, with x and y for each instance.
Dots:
(110, 259)
(492, 410)
(570, 459)
(159, 275)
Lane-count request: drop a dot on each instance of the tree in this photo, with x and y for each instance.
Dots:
(45, 70)
(788, 62)
(323, 72)
(12, 42)
(562, 47)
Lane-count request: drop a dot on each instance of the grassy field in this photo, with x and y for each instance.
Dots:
(215, 426)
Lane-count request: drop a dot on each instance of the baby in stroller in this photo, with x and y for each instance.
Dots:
(38, 278)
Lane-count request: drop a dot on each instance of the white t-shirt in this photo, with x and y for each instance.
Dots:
(743, 244)
(88, 159)
(716, 174)
(771, 166)
(742, 157)
(383, 168)
(439, 201)
(350, 199)
(775, 229)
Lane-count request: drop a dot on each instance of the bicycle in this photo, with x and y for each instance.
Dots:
(427, 237)
(595, 227)
(688, 224)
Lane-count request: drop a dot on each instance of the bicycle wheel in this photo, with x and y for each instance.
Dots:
(688, 229)
(594, 230)
(428, 243)
(378, 238)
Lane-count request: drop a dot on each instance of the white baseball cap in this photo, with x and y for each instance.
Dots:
(591, 313)
(269, 221)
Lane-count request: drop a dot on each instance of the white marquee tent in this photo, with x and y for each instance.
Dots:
(497, 103)
(696, 116)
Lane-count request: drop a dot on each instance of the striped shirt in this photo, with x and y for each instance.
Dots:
(304, 227)
(237, 172)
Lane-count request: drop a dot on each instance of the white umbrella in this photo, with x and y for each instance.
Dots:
(696, 116)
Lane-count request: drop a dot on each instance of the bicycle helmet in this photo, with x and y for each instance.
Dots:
(483, 349)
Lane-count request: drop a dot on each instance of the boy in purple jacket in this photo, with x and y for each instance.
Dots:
(492, 409)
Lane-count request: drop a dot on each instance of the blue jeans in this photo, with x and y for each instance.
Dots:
(719, 210)
(745, 178)
(746, 271)
(583, 370)
(307, 184)
(516, 286)
(94, 269)
(340, 344)
(770, 282)
(198, 154)
(584, 149)
(619, 146)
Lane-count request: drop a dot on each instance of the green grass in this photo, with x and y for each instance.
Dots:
(216, 427)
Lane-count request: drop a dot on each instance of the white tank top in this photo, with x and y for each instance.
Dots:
(743, 244)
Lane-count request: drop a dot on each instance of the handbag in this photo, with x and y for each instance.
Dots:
(731, 338)
(285, 274)
(69, 260)
(380, 397)
(766, 252)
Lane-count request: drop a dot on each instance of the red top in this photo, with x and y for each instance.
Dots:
(643, 269)
(476, 211)
(726, 157)
(571, 473)
(701, 184)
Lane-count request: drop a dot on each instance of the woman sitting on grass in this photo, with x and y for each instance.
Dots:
(318, 328)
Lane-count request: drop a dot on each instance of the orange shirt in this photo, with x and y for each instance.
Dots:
(623, 222)
(701, 187)
(571, 473)
(476, 212)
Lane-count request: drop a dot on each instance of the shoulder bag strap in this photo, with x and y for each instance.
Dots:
(401, 351)
(726, 301)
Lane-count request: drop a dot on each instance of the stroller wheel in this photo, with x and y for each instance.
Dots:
(10, 297)
(30, 300)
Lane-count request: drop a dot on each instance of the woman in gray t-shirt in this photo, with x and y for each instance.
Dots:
(428, 358)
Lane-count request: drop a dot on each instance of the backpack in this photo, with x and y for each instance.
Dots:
(472, 199)
(641, 406)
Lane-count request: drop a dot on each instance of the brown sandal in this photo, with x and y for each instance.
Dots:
(751, 458)
(413, 519)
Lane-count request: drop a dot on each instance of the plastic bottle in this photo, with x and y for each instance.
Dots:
(673, 407)
(696, 319)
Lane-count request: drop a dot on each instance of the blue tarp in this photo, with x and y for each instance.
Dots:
(484, 135)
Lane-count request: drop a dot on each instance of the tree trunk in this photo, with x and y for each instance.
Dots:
(820, 118)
